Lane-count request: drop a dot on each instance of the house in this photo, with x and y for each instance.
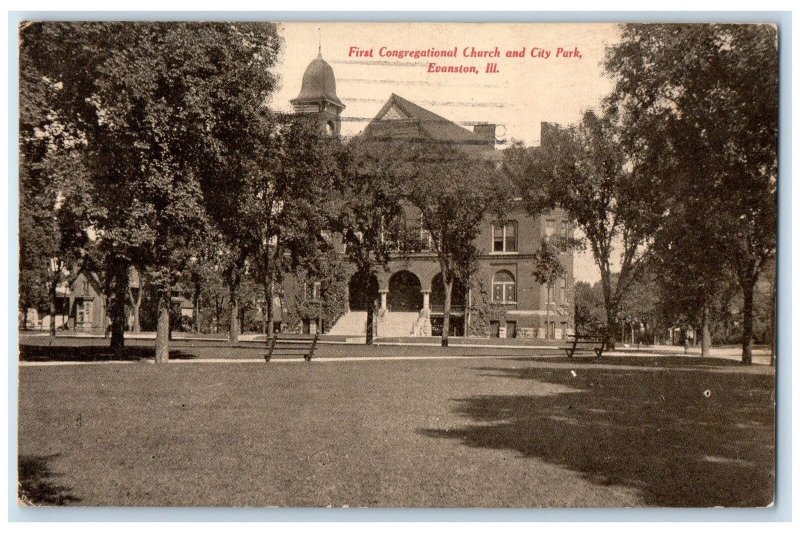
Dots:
(87, 303)
(503, 300)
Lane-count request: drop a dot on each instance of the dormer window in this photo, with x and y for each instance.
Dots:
(330, 129)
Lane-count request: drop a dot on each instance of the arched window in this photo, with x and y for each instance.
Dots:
(504, 288)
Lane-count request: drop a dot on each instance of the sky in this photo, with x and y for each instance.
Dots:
(522, 93)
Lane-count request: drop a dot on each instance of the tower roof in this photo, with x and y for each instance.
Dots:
(319, 83)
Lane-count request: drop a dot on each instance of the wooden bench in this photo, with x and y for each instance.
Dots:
(294, 345)
(584, 344)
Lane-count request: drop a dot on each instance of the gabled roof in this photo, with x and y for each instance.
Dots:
(92, 276)
(429, 123)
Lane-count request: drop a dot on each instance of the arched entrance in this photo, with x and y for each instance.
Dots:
(363, 289)
(458, 297)
(405, 292)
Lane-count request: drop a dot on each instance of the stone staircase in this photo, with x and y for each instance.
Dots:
(351, 323)
(397, 324)
(422, 327)
(390, 324)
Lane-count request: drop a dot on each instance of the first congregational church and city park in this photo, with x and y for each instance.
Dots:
(511, 303)
(241, 288)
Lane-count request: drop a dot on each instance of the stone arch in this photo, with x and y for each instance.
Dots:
(405, 292)
(363, 291)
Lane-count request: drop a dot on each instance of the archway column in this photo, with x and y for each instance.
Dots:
(426, 299)
(384, 295)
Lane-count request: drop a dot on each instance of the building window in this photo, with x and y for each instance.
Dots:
(505, 237)
(504, 288)
(565, 228)
(313, 290)
(549, 228)
(425, 235)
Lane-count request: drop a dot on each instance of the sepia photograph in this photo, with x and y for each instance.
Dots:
(397, 264)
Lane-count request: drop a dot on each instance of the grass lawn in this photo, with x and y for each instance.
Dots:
(434, 433)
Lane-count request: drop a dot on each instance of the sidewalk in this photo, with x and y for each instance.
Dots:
(252, 345)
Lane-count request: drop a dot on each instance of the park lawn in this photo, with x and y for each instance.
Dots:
(438, 433)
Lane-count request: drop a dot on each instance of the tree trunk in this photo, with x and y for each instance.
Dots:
(467, 310)
(370, 322)
(705, 344)
(448, 292)
(217, 313)
(119, 289)
(269, 294)
(547, 314)
(747, 323)
(233, 332)
(609, 342)
(163, 329)
(53, 287)
(137, 326)
(198, 291)
(611, 330)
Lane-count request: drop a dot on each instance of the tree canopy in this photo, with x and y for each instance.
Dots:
(157, 111)
(698, 105)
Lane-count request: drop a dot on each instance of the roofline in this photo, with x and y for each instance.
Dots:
(298, 100)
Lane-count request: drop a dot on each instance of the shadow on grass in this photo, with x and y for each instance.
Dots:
(657, 432)
(650, 360)
(37, 485)
(43, 353)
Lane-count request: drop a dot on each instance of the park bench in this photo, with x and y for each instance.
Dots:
(280, 345)
(584, 344)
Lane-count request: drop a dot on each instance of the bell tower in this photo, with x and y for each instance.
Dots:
(318, 96)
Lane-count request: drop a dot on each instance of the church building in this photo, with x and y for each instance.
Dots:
(503, 300)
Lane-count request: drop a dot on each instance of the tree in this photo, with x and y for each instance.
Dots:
(548, 268)
(590, 315)
(584, 171)
(287, 200)
(162, 108)
(368, 197)
(690, 285)
(55, 206)
(454, 193)
(699, 106)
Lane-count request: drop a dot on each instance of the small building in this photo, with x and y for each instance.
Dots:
(87, 303)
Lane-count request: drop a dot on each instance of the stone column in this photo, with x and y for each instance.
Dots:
(424, 323)
(384, 295)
